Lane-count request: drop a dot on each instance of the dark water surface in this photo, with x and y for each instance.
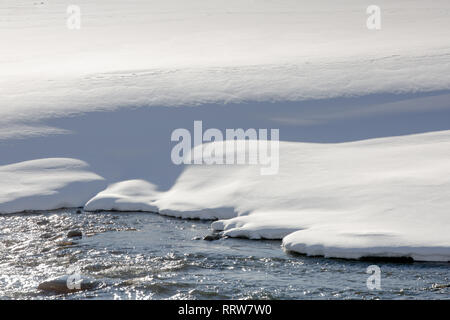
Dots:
(148, 256)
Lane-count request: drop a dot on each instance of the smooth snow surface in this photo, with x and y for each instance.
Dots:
(178, 53)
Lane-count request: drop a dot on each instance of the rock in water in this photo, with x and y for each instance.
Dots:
(65, 243)
(67, 284)
(42, 222)
(213, 236)
(74, 234)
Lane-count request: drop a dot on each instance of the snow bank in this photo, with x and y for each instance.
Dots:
(46, 184)
(382, 197)
(379, 197)
(132, 195)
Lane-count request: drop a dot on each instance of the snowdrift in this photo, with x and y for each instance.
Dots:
(46, 184)
(132, 195)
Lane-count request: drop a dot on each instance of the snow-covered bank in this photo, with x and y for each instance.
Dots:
(111, 94)
(47, 184)
(377, 197)
(132, 195)
(384, 197)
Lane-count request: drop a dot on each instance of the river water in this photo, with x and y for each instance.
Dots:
(148, 256)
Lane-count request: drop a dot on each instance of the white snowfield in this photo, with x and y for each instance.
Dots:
(178, 53)
(106, 94)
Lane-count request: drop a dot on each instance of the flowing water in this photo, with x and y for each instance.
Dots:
(148, 256)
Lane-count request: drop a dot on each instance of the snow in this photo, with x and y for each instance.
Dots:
(132, 195)
(381, 197)
(363, 116)
(46, 184)
(172, 53)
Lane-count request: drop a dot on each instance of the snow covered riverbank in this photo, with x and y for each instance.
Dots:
(382, 197)
(86, 117)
